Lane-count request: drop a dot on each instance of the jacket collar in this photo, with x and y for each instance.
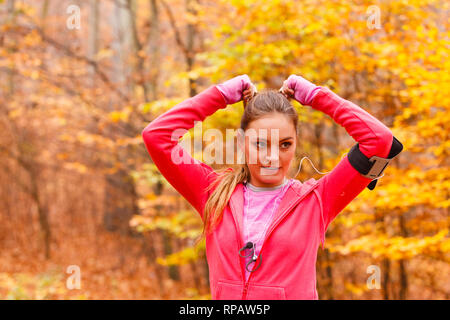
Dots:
(297, 190)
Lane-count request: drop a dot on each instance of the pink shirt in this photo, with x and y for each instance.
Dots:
(260, 205)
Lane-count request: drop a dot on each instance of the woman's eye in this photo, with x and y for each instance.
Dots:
(286, 145)
(260, 144)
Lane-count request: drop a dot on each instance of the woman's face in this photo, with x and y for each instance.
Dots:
(270, 144)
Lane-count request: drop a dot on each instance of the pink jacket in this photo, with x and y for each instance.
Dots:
(289, 252)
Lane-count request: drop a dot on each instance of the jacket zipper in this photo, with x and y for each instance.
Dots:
(244, 292)
(281, 217)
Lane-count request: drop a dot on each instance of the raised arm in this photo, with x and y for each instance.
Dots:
(339, 187)
(187, 175)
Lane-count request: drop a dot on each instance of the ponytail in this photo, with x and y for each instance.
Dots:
(224, 184)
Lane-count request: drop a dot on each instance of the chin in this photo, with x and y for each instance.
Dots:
(270, 173)
(269, 177)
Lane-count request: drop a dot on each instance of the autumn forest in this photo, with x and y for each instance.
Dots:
(85, 213)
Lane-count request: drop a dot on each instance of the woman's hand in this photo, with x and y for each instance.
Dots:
(237, 89)
(300, 89)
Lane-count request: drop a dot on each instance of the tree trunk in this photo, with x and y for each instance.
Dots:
(120, 202)
(44, 13)
(195, 275)
(174, 273)
(150, 253)
(402, 263)
(139, 67)
(206, 272)
(386, 264)
(120, 193)
(42, 213)
(118, 21)
(190, 56)
(93, 38)
(154, 49)
(10, 6)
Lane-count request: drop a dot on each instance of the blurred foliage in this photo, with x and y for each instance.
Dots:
(43, 286)
(70, 120)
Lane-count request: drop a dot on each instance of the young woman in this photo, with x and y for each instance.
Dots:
(263, 229)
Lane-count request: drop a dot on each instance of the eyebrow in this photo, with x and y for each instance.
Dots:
(287, 138)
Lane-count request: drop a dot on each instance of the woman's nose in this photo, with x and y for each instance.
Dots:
(271, 159)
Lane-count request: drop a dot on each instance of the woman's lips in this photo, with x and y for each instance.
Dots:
(269, 170)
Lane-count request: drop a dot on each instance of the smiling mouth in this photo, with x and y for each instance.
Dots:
(269, 170)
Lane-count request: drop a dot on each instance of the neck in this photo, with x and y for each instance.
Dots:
(267, 188)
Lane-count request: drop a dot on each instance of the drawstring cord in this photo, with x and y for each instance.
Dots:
(305, 157)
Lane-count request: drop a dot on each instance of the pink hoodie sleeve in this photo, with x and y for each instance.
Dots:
(339, 187)
(187, 175)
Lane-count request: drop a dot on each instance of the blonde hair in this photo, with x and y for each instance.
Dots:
(263, 103)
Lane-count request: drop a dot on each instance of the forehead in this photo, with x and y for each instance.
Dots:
(276, 121)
